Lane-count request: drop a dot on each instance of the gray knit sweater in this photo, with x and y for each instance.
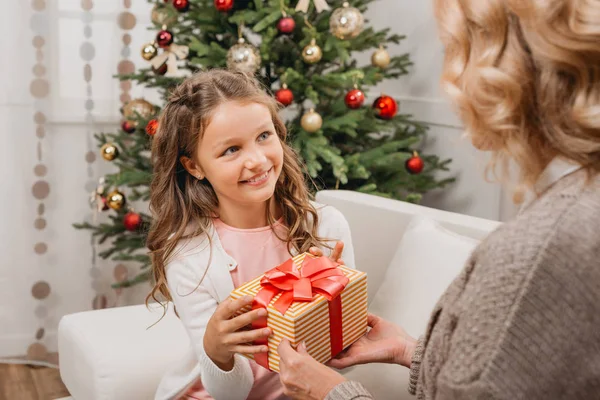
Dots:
(522, 320)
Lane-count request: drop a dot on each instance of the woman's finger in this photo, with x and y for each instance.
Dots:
(239, 322)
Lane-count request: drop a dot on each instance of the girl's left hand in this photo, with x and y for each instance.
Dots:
(335, 255)
(303, 377)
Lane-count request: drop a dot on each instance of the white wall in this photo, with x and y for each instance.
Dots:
(67, 266)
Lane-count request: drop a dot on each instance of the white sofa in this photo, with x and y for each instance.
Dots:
(410, 252)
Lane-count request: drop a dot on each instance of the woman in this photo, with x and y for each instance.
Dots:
(522, 319)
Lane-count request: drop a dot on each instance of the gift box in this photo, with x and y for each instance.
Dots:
(308, 299)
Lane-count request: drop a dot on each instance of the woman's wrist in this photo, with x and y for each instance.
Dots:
(406, 349)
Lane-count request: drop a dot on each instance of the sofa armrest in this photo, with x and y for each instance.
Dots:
(113, 354)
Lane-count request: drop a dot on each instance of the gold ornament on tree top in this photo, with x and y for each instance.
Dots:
(320, 5)
(346, 22)
(312, 53)
(381, 58)
(243, 56)
(163, 15)
(109, 151)
(311, 121)
(138, 106)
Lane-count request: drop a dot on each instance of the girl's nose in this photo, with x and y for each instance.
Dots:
(255, 159)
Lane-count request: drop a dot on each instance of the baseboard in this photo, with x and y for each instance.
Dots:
(16, 345)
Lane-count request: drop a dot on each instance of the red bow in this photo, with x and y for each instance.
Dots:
(317, 275)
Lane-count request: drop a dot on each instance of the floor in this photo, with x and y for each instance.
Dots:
(23, 382)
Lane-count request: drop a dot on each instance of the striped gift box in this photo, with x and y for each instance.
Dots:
(309, 321)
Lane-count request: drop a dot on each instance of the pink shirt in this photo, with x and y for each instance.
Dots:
(256, 251)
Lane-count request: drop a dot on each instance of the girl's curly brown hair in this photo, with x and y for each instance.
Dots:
(525, 76)
(178, 200)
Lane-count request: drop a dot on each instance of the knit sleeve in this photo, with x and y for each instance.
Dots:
(349, 390)
(415, 366)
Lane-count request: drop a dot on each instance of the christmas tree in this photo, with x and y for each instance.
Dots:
(302, 51)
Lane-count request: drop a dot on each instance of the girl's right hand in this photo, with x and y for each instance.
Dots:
(225, 334)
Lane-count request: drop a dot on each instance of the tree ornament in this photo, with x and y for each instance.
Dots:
(311, 121)
(385, 107)
(149, 51)
(138, 108)
(320, 5)
(312, 53)
(243, 57)
(181, 5)
(380, 58)
(103, 204)
(415, 164)
(109, 151)
(355, 98)
(151, 127)
(346, 22)
(166, 63)
(164, 38)
(224, 5)
(286, 25)
(163, 15)
(128, 126)
(132, 221)
(97, 200)
(284, 95)
(116, 200)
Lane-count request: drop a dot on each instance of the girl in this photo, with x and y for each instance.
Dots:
(521, 320)
(229, 202)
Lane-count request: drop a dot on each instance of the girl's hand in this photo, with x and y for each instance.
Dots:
(384, 343)
(335, 255)
(225, 335)
(302, 377)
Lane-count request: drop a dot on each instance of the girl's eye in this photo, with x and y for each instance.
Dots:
(264, 136)
(230, 151)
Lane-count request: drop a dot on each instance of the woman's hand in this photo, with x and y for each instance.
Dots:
(384, 343)
(225, 335)
(302, 377)
(335, 255)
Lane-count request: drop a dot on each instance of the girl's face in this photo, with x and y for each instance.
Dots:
(240, 153)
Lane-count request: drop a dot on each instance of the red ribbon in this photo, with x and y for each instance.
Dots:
(317, 276)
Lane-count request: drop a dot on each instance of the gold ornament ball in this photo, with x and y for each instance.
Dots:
(312, 53)
(149, 51)
(109, 151)
(243, 57)
(115, 200)
(380, 58)
(138, 106)
(163, 15)
(346, 22)
(311, 121)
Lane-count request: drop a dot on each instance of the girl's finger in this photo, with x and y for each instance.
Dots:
(315, 251)
(246, 349)
(230, 307)
(249, 336)
(337, 250)
(237, 323)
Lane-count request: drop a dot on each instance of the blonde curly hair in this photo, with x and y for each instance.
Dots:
(525, 77)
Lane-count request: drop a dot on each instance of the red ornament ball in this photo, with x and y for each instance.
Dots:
(354, 99)
(224, 5)
(181, 5)
(128, 126)
(151, 127)
(285, 96)
(161, 70)
(385, 107)
(132, 221)
(164, 38)
(415, 164)
(286, 25)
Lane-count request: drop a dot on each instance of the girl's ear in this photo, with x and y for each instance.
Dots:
(192, 167)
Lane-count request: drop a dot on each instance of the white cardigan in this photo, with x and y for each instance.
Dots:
(196, 304)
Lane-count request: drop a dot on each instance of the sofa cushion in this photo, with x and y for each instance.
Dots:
(428, 258)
